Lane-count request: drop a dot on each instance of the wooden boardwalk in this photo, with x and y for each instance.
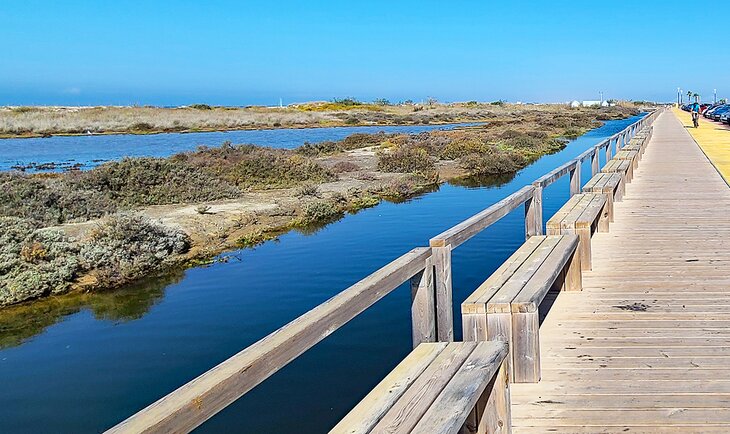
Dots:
(645, 347)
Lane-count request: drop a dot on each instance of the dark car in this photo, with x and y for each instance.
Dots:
(711, 110)
(719, 111)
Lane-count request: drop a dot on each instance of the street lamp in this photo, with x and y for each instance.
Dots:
(679, 97)
(714, 99)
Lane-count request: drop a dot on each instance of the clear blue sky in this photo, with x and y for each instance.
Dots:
(243, 52)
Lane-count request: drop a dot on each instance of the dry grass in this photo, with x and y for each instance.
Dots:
(38, 121)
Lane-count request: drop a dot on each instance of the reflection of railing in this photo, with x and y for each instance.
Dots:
(429, 272)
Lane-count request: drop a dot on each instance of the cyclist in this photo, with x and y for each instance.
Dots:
(695, 109)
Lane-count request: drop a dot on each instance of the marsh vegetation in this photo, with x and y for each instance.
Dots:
(125, 219)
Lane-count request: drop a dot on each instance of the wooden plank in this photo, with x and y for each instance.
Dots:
(475, 224)
(195, 402)
(476, 302)
(449, 410)
(441, 257)
(362, 418)
(535, 290)
(555, 174)
(502, 300)
(533, 213)
(408, 410)
(423, 305)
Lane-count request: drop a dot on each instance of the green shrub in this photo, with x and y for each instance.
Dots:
(405, 159)
(200, 106)
(153, 181)
(307, 190)
(492, 163)
(128, 246)
(50, 200)
(142, 126)
(460, 148)
(34, 262)
(320, 211)
(345, 166)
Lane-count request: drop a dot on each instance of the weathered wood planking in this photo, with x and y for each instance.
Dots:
(646, 345)
(201, 398)
(434, 390)
(504, 307)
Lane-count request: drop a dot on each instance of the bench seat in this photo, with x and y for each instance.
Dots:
(438, 388)
(629, 155)
(505, 306)
(622, 167)
(583, 214)
(609, 184)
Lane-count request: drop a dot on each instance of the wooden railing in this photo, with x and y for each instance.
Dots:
(429, 271)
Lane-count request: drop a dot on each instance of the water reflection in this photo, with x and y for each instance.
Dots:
(22, 322)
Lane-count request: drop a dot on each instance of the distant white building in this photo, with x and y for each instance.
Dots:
(591, 103)
(575, 104)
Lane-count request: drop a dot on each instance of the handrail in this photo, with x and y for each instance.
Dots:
(478, 222)
(197, 401)
(429, 271)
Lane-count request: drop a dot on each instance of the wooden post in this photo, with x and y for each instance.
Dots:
(423, 305)
(494, 412)
(595, 165)
(575, 179)
(533, 213)
(608, 150)
(441, 257)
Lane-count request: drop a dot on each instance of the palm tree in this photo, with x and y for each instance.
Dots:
(696, 97)
(689, 96)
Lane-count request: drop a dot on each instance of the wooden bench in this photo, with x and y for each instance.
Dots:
(438, 388)
(583, 214)
(635, 145)
(622, 167)
(632, 156)
(505, 306)
(609, 184)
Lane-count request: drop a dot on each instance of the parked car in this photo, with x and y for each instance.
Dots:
(725, 117)
(709, 109)
(719, 111)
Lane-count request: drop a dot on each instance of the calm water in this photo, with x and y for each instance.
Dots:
(90, 151)
(101, 364)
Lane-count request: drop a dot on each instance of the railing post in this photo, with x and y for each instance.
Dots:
(444, 304)
(575, 179)
(423, 305)
(595, 166)
(533, 213)
(608, 150)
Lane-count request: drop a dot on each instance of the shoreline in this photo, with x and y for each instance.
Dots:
(221, 130)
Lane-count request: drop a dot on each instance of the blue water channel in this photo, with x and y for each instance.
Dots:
(99, 365)
(92, 150)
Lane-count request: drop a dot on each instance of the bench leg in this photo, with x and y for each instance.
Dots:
(499, 328)
(603, 219)
(584, 247)
(609, 205)
(474, 327)
(621, 189)
(495, 416)
(526, 347)
(573, 274)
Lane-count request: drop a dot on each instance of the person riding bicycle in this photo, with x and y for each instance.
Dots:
(695, 110)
